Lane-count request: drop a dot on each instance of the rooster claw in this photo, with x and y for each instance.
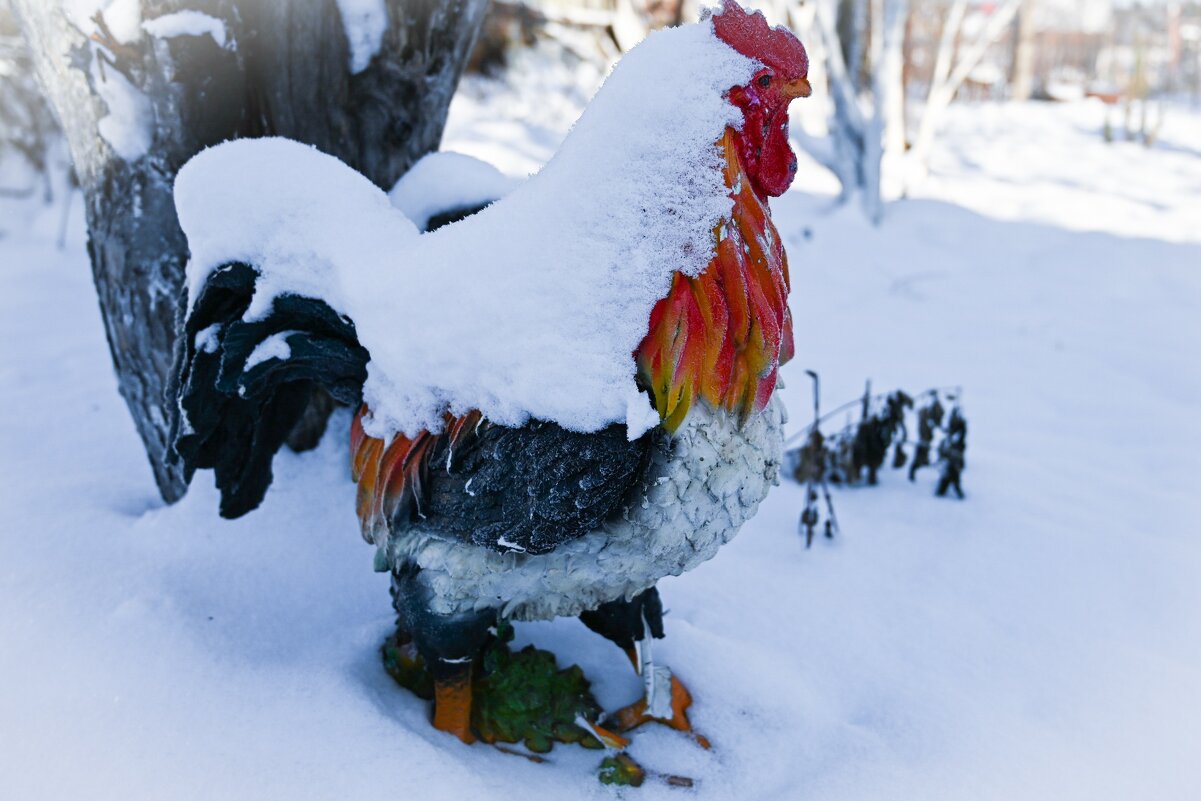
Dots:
(668, 708)
(609, 739)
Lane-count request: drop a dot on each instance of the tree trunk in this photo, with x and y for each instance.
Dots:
(135, 106)
(858, 142)
(1021, 80)
(887, 62)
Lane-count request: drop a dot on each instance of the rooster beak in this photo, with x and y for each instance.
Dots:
(797, 88)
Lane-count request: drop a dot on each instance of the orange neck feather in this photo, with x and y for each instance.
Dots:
(720, 337)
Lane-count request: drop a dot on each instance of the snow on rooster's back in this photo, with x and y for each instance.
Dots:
(531, 308)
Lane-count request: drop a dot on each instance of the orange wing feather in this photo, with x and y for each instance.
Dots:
(391, 475)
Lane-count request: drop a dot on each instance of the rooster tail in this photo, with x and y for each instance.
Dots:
(241, 386)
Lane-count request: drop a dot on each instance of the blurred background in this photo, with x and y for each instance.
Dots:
(1138, 60)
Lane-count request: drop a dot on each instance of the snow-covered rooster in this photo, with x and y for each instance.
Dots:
(564, 397)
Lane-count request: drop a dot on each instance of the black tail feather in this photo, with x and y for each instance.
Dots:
(233, 418)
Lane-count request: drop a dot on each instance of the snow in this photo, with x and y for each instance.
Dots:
(207, 339)
(365, 22)
(273, 347)
(530, 308)
(1039, 640)
(447, 181)
(186, 23)
(126, 127)
(1034, 173)
(123, 17)
(317, 213)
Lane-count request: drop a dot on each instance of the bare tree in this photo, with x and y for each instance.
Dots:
(27, 128)
(143, 86)
(952, 65)
(861, 42)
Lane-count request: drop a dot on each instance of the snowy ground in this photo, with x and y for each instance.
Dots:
(1040, 640)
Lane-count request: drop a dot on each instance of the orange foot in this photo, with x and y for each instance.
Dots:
(452, 706)
(674, 714)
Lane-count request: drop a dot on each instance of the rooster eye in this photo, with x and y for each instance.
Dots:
(765, 81)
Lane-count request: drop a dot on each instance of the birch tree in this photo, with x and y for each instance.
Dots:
(863, 61)
(860, 43)
(1021, 76)
(953, 63)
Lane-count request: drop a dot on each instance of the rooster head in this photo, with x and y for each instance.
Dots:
(763, 140)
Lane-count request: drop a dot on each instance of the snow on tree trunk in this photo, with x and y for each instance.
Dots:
(888, 20)
(139, 90)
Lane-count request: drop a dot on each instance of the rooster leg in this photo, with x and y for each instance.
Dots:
(452, 699)
(633, 625)
(627, 623)
(450, 646)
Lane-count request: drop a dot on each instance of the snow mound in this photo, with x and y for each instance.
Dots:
(303, 218)
(446, 181)
(529, 309)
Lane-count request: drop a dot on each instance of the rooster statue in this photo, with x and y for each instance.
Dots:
(562, 398)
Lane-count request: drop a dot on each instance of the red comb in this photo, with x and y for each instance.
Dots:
(750, 35)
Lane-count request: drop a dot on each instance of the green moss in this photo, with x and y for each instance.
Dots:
(404, 664)
(518, 697)
(621, 770)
